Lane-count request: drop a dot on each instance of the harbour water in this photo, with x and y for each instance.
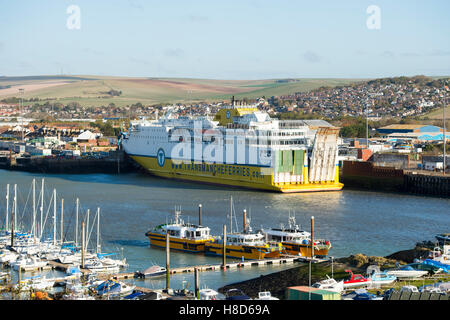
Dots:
(355, 221)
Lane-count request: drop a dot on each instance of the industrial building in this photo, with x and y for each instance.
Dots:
(408, 128)
(416, 132)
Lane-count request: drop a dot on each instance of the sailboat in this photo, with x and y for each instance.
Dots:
(101, 263)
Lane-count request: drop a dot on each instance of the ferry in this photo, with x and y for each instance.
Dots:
(182, 236)
(240, 146)
(244, 245)
(296, 241)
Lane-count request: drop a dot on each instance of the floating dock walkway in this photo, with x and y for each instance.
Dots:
(214, 267)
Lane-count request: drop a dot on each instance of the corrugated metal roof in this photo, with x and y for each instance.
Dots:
(317, 123)
(404, 126)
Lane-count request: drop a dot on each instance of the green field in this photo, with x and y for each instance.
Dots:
(92, 90)
(437, 114)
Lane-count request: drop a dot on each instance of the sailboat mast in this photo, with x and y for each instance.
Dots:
(62, 219)
(42, 207)
(33, 228)
(54, 217)
(98, 230)
(87, 230)
(15, 205)
(7, 206)
(231, 214)
(76, 223)
(14, 217)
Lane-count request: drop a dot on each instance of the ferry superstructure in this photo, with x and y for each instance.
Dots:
(240, 146)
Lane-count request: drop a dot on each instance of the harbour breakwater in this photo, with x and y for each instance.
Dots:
(366, 175)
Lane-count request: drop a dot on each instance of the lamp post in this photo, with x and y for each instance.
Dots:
(332, 271)
(21, 91)
(443, 116)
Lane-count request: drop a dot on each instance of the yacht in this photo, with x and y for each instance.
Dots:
(266, 295)
(28, 263)
(330, 284)
(406, 272)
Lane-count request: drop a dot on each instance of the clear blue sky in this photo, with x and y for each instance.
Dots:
(234, 39)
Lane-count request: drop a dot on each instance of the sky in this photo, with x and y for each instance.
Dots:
(234, 39)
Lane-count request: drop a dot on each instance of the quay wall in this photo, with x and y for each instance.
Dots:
(116, 164)
(366, 175)
(427, 184)
(359, 174)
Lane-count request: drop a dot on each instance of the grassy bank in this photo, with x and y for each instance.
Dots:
(277, 282)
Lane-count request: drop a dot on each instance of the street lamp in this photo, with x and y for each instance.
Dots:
(332, 271)
(21, 91)
(443, 116)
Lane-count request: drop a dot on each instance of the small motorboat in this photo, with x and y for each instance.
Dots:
(28, 263)
(443, 238)
(99, 267)
(361, 294)
(406, 272)
(8, 256)
(208, 294)
(436, 264)
(77, 296)
(151, 272)
(266, 295)
(236, 294)
(432, 269)
(134, 296)
(356, 280)
(382, 278)
(112, 288)
(330, 285)
(442, 257)
(35, 283)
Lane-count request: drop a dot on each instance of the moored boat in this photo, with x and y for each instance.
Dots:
(153, 271)
(110, 288)
(356, 280)
(250, 148)
(296, 241)
(329, 284)
(244, 245)
(208, 294)
(443, 238)
(266, 295)
(382, 278)
(441, 255)
(406, 272)
(236, 294)
(182, 236)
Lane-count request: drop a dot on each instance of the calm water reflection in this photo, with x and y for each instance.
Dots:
(355, 221)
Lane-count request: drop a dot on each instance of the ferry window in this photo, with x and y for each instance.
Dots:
(197, 233)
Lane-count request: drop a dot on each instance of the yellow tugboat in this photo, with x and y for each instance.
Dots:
(182, 236)
(296, 241)
(244, 245)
